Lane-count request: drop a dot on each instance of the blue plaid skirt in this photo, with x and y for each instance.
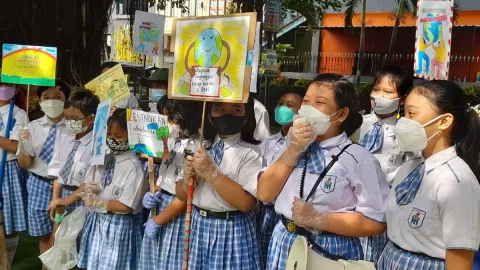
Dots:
(217, 244)
(111, 241)
(165, 251)
(69, 209)
(39, 196)
(267, 219)
(14, 194)
(282, 241)
(373, 246)
(398, 259)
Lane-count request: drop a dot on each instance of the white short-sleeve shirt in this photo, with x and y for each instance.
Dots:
(262, 131)
(131, 102)
(389, 155)
(81, 160)
(355, 183)
(445, 211)
(20, 122)
(128, 184)
(272, 148)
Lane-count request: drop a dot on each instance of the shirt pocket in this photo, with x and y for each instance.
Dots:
(79, 173)
(420, 218)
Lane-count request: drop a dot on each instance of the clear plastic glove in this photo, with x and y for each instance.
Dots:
(93, 202)
(304, 215)
(23, 138)
(152, 228)
(206, 168)
(300, 137)
(92, 187)
(151, 200)
(52, 206)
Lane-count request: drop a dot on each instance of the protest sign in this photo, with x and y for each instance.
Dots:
(110, 85)
(100, 132)
(148, 133)
(148, 33)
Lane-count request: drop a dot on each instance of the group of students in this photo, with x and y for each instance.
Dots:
(404, 196)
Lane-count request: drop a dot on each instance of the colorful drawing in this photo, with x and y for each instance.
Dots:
(148, 133)
(210, 60)
(432, 54)
(111, 85)
(148, 33)
(100, 132)
(33, 65)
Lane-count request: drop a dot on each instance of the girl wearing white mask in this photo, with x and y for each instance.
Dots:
(433, 206)
(326, 188)
(391, 87)
(35, 151)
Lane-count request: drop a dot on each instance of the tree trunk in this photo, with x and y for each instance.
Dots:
(395, 29)
(361, 52)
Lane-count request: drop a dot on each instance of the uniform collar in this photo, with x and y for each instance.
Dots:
(335, 141)
(230, 140)
(123, 156)
(87, 138)
(277, 137)
(440, 158)
(46, 121)
(391, 121)
(5, 108)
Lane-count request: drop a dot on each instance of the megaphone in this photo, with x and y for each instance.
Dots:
(302, 257)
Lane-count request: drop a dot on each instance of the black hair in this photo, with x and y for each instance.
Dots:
(84, 100)
(186, 114)
(345, 97)
(448, 97)
(248, 128)
(162, 103)
(61, 85)
(297, 90)
(118, 117)
(108, 65)
(401, 79)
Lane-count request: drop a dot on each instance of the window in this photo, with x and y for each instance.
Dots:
(123, 6)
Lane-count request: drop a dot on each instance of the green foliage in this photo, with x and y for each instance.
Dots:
(312, 10)
(473, 94)
(304, 83)
(162, 132)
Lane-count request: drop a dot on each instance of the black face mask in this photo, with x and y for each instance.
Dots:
(227, 124)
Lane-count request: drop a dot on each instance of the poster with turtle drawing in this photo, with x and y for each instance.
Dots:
(212, 59)
(148, 33)
(433, 39)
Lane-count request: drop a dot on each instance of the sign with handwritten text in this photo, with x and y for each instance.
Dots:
(205, 82)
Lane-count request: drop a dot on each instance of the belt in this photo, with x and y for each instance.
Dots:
(416, 253)
(228, 215)
(44, 179)
(269, 206)
(163, 191)
(70, 188)
(294, 228)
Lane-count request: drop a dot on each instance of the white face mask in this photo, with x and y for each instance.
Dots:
(383, 105)
(76, 126)
(52, 107)
(173, 131)
(319, 121)
(411, 135)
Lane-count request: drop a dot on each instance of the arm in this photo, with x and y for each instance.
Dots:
(9, 145)
(459, 259)
(118, 207)
(25, 151)
(181, 190)
(233, 193)
(353, 225)
(57, 189)
(176, 208)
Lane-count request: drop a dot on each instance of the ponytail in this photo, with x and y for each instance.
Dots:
(466, 138)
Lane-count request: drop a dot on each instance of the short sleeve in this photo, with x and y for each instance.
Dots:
(263, 147)
(370, 188)
(249, 170)
(459, 205)
(54, 165)
(20, 123)
(135, 186)
(262, 131)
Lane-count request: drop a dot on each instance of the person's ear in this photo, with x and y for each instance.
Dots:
(343, 114)
(446, 122)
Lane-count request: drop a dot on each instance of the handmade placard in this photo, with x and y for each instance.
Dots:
(255, 60)
(210, 60)
(100, 132)
(110, 85)
(148, 133)
(33, 65)
(148, 33)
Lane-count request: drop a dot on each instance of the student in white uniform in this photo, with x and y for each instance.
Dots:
(262, 131)
(433, 206)
(223, 233)
(288, 105)
(390, 88)
(72, 155)
(163, 243)
(112, 234)
(349, 200)
(35, 151)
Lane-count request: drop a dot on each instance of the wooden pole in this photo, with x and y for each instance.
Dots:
(151, 181)
(28, 102)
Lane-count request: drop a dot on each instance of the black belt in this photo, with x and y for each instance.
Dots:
(293, 228)
(228, 215)
(70, 188)
(44, 179)
(269, 206)
(163, 191)
(416, 253)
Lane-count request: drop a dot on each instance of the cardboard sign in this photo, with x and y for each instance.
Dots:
(35, 65)
(100, 132)
(110, 85)
(148, 33)
(255, 60)
(148, 133)
(271, 65)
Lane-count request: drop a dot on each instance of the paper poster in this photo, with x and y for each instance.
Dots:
(433, 39)
(100, 132)
(272, 19)
(110, 85)
(210, 60)
(33, 65)
(148, 33)
(271, 65)
(148, 133)
(255, 60)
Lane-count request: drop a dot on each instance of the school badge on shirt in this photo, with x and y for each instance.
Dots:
(81, 173)
(416, 217)
(117, 191)
(328, 183)
(391, 159)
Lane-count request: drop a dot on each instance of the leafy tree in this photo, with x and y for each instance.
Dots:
(312, 10)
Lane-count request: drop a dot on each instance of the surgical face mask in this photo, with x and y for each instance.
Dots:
(319, 121)
(76, 126)
(157, 93)
(52, 107)
(6, 92)
(411, 135)
(381, 105)
(284, 115)
(117, 147)
(173, 131)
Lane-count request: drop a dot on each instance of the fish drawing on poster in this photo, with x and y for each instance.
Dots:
(100, 132)
(148, 133)
(433, 39)
(148, 33)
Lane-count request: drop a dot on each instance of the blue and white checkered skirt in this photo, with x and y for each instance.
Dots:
(69, 209)
(14, 193)
(39, 196)
(397, 259)
(218, 244)
(267, 219)
(373, 246)
(111, 241)
(282, 241)
(165, 251)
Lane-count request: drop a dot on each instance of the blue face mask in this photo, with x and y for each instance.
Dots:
(284, 115)
(157, 94)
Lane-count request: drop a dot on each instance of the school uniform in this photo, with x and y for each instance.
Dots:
(41, 142)
(262, 131)
(433, 206)
(377, 136)
(221, 236)
(166, 251)
(355, 183)
(70, 163)
(113, 240)
(272, 148)
(131, 102)
(14, 194)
